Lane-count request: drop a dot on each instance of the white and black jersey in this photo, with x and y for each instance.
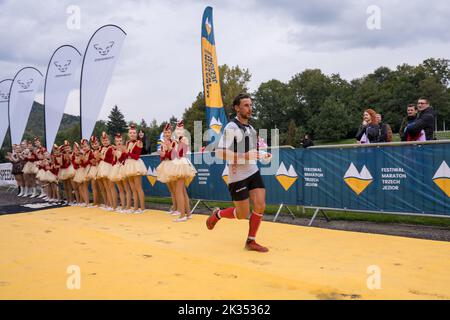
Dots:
(239, 138)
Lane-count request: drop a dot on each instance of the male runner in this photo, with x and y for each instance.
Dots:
(238, 145)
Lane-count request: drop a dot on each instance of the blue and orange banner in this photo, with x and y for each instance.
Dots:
(216, 117)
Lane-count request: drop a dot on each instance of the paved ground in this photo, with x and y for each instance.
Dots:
(46, 253)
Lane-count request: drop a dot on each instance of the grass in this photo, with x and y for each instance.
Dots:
(337, 215)
(440, 135)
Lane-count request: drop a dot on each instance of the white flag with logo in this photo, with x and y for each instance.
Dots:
(59, 81)
(26, 85)
(99, 60)
(5, 85)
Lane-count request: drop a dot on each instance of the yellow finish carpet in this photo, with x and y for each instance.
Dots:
(148, 256)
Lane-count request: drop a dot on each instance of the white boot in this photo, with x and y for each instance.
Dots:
(25, 192)
(34, 193)
(21, 192)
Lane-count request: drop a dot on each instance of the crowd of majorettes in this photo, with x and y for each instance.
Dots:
(113, 171)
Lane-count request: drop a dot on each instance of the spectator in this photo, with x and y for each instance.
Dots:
(369, 130)
(307, 142)
(411, 112)
(385, 131)
(143, 138)
(425, 121)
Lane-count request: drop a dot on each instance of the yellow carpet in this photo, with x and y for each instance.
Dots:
(149, 257)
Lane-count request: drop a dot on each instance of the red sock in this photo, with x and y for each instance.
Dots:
(254, 222)
(228, 213)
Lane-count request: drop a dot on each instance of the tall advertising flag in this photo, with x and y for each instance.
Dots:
(99, 60)
(25, 85)
(59, 81)
(5, 86)
(216, 117)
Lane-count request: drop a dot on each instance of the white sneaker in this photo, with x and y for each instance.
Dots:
(43, 195)
(184, 219)
(176, 213)
(189, 216)
(138, 211)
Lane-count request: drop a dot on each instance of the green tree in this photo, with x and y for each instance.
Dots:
(116, 122)
(332, 122)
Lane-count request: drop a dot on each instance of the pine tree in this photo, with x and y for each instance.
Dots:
(116, 122)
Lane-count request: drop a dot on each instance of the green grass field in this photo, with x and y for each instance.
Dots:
(337, 215)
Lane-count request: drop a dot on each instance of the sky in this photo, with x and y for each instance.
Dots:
(159, 73)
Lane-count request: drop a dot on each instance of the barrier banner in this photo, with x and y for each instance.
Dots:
(59, 81)
(408, 178)
(413, 178)
(5, 86)
(6, 178)
(25, 85)
(99, 61)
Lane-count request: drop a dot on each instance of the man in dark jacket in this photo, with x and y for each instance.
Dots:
(411, 112)
(307, 142)
(425, 120)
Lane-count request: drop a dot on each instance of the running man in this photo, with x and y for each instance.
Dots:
(238, 145)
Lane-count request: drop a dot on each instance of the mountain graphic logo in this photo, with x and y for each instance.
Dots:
(62, 67)
(442, 178)
(25, 84)
(104, 49)
(151, 176)
(358, 181)
(208, 26)
(216, 125)
(286, 177)
(225, 174)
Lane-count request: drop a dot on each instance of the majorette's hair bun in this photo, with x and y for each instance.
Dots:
(36, 139)
(118, 135)
(84, 141)
(66, 143)
(180, 124)
(168, 127)
(104, 135)
(132, 127)
(76, 145)
(93, 139)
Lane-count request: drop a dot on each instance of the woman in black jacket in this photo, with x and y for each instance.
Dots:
(369, 128)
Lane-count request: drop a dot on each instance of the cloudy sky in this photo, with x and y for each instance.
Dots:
(159, 71)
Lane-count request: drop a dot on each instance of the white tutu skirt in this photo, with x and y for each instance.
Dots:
(91, 172)
(30, 168)
(80, 175)
(181, 168)
(66, 173)
(135, 168)
(40, 175)
(104, 170)
(163, 171)
(116, 175)
(50, 177)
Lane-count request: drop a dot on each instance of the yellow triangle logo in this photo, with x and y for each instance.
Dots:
(151, 176)
(442, 178)
(225, 174)
(286, 177)
(357, 181)
(216, 125)
(188, 181)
